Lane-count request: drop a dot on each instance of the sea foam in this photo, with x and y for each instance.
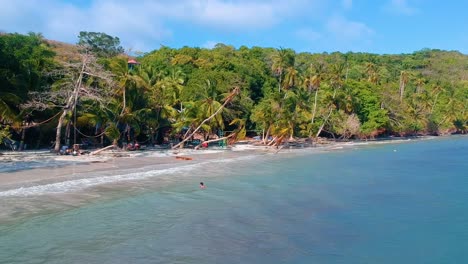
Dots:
(83, 183)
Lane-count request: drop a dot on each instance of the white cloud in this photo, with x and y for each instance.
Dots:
(240, 14)
(347, 4)
(146, 21)
(344, 29)
(63, 21)
(401, 7)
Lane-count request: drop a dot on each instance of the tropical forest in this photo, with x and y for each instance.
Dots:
(95, 92)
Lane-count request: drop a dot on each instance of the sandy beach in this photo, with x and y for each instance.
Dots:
(52, 169)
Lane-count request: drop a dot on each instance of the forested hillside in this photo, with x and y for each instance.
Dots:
(53, 93)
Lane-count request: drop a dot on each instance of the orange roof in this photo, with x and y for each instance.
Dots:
(132, 61)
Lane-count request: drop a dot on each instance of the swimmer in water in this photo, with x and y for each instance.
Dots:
(202, 185)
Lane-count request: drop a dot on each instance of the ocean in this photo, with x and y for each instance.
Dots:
(394, 202)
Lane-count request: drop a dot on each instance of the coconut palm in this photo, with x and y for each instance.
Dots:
(265, 114)
(435, 92)
(404, 78)
(173, 84)
(125, 77)
(281, 60)
(372, 74)
(419, 85)
(211, 110)
(7, 111)
(312, 82)
(291, 78)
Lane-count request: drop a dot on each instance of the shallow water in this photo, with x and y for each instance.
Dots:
(386, 203)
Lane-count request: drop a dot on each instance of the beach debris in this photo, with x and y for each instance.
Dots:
(183, 158)
(101, 150)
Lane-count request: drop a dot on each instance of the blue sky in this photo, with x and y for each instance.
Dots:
(385, 26)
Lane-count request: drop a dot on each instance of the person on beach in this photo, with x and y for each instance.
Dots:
(202, 185)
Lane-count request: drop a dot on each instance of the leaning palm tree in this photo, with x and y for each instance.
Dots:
(336, 81)
(404, 78)
(312, 82)
(436, 91)
(215, 114)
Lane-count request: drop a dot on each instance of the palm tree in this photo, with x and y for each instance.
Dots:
(312, 82)
(336, 76)
(291, 79)
(7, 113)
(281, 60)
(436, 91)
(173, 85)
(372, 75)
(336, 81)
(209, 106)
(404, 78)
(419, 84)
(265, 113)
(126, 79)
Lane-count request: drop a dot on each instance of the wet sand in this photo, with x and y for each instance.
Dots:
(108, 163)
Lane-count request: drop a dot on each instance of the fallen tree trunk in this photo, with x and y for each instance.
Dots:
(214, 140)
(101, 150)
(324, 122)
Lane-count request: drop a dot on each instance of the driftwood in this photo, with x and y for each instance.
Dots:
(183, 158)
(101, 150)
(273, 141)
(280, 148)
(214, 140)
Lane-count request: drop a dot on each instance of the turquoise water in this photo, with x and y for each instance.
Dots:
(386, 203)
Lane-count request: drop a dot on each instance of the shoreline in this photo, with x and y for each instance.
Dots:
(70, 168)
(39, 191)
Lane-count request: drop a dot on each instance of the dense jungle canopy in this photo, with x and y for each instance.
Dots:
(89, 92)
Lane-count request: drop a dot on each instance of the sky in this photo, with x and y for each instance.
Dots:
(375, 26)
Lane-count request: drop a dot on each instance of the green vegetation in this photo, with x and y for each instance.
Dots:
(50, 91)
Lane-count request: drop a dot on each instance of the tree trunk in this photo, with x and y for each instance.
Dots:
(435, 102)
(124, 101)
(265, 139)
(291, 137)
(101, 150)
(314, 111)
(214, 140)
(23, 136)
(58, 134)
(402, 89)
(272, 141)
(70, 106)
(324, 122)
(67, 134)
(328, 116)
(279, 85)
